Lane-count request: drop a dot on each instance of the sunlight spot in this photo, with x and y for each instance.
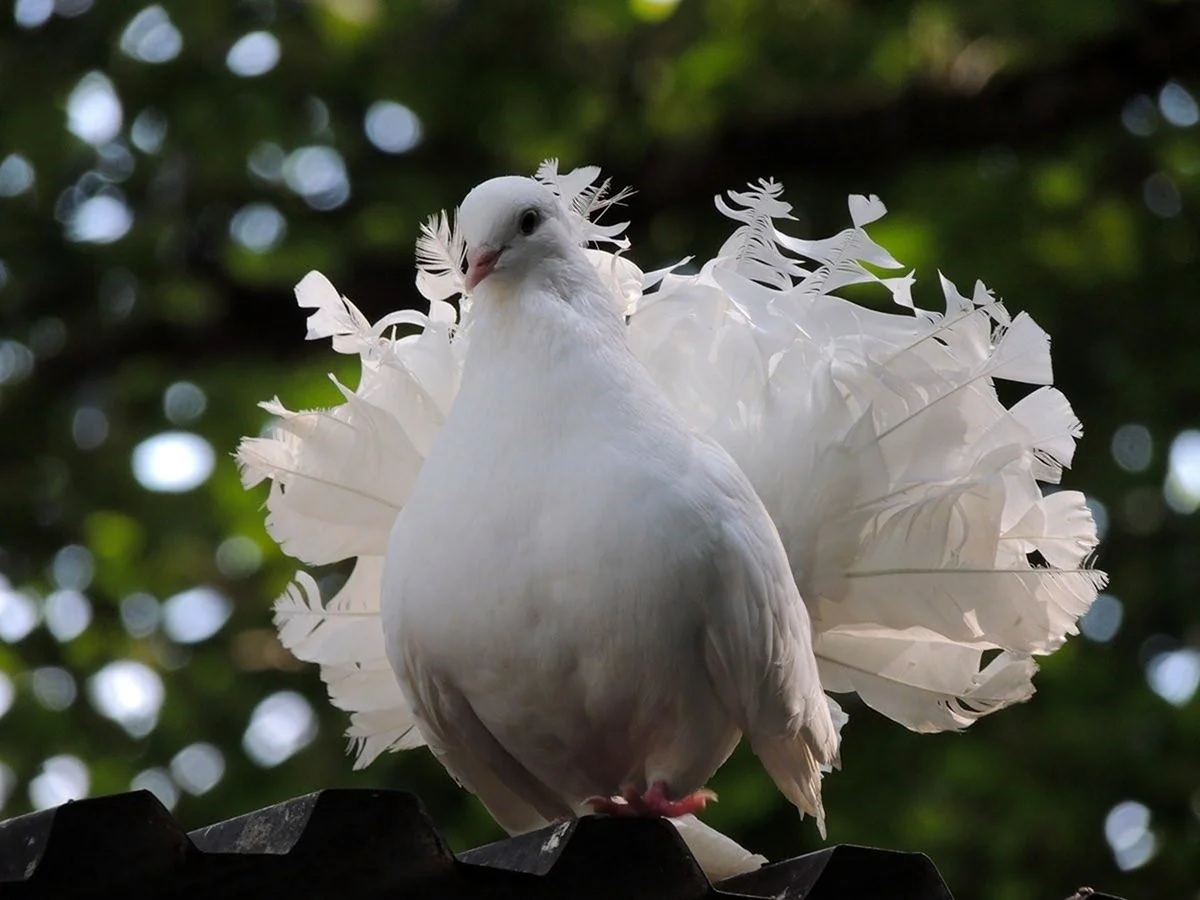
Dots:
(159, 783)
(318, 174)
(73, 568)
(318, 115)
(1102, 621)
(173, 462)
(1162, 196)
(198, 768)
(1178, 105)
(195, 615)
(53, 687)
(130, 693)
(16, 175)
(69, 9)
(140, 614)
(259, 227)
(115, 161)
(392, 127)
(94, 110)
(151, 37)
(18, 613)
(1175, 675)
(68, 614)
(1132, 447)
(32, 13)
(8, 693)
(253, 54)
(1127, 829)
(102, 219)
(1182, 488)
(184, 402)
(266, 162)
(89, 427)
(16, 361)
(238, 557)
(63, 778)
(148, 131)
(1139, 116)
(280, 726)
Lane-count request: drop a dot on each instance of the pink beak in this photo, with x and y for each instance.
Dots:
(479, 265)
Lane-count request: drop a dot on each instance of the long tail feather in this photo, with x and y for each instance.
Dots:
(906, 493)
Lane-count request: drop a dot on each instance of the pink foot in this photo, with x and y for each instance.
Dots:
(652, 803)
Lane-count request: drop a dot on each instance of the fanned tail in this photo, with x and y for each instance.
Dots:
(906, 493)
(339, 478)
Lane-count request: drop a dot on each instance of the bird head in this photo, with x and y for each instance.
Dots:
(511, 224)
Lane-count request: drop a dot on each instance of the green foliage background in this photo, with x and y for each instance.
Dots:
(1019, 142)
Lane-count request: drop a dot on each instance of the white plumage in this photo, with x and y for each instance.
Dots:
(582, 591)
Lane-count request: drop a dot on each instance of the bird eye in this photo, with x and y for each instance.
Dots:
(529, 221)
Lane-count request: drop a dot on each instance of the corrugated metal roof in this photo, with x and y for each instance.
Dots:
(358, 844)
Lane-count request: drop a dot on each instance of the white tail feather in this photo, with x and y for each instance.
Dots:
(905, 491)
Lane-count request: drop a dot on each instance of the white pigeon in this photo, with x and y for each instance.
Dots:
(584, 602)
(582, 597)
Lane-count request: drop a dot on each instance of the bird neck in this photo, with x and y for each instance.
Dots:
(548, 344)
(545, 308)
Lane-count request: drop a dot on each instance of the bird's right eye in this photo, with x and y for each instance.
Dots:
(529, 221)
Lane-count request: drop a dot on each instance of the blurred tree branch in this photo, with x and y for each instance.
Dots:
(1032, 108)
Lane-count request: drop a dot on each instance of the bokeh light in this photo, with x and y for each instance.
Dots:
(140, 614)
(18, 613)
(63, 778)
(53, 687)
(195, 615)
(89, 427)
(318, 174)
(148, 131)
(1132, 447)
(159, 783)
(16, 361)
(253, 54)
(1127, 829)
(67, 613)
(238, 557)
(151, 36)
(93, 109)
(8, 693)
(281, 726)
(198, 768)
(32, 13)
(184, 402)
(130, 693)
(392, 127)
(1182, 488)
(173, 462)
(259, 227)
(1102, 621)
(73, 568)
(16, 175)
(1175, 675)
(1178, 105)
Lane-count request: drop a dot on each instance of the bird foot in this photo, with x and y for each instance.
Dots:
(653, 803)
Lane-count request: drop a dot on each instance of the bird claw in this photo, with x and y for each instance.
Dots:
(654, 803)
